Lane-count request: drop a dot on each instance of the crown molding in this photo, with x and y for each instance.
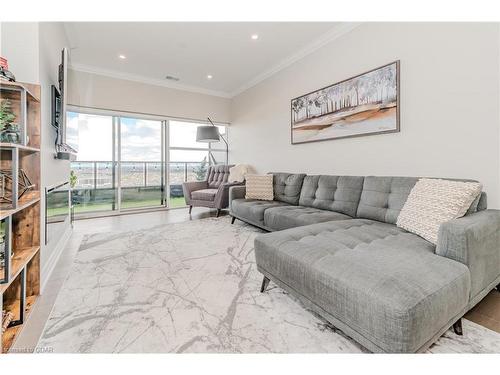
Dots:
(326, 38)
(333, 34)
(150, 81)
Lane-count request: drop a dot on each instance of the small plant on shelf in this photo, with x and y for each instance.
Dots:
(9, 130)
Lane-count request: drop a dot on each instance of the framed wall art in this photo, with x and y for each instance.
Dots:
(366, 104)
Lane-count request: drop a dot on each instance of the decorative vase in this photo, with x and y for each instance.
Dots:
(11, 137)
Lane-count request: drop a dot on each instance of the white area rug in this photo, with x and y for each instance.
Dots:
(194, 287)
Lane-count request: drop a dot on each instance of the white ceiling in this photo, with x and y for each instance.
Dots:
(192, 50)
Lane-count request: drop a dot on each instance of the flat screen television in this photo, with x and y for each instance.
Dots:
(67, 132)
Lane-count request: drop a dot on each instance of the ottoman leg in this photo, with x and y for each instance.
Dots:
(233, 219)
(457, 327)
(265, 283)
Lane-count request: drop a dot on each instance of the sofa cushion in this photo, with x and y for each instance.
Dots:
(479, 204)
(287, 187)
(204, 194)
(383, 283)
(334, 193)
(383, 198)
(284, 217)
(252, 209)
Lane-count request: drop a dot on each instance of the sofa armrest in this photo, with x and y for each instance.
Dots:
(222, 197)
(473, 240)
(236, 192)
(189, 187)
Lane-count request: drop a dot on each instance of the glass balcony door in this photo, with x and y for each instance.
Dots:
(95, 187)
(128, 163)
(189, 160)
(141, 160)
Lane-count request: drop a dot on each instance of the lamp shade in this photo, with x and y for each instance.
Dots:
(207, 134)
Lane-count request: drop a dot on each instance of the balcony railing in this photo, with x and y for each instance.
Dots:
(142, 184)
(104, 174)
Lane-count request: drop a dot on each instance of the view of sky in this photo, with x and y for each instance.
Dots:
(140, 139)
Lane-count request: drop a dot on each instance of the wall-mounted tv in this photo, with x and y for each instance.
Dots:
(67, 132)
(56, 107)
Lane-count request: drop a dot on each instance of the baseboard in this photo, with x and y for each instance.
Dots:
(48, 268)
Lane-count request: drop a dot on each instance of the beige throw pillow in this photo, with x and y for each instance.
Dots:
(432, 202)
(259, 187)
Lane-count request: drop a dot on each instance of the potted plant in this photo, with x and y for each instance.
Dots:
(9, 130)
(73, 179)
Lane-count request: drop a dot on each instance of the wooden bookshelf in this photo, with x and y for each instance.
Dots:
(27, 200)
(18, 262)
(11, 333)
(33, 91)
(21, 148)
(20, 285)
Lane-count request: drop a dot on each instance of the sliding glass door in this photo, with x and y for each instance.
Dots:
(94, 184)
(127, 163)
(189, 160)
(141, 163)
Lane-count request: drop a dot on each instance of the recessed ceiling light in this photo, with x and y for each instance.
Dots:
(255, 36)
(123, 57)
(209, 76)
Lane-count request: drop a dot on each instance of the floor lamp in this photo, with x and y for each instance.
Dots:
(210, 133)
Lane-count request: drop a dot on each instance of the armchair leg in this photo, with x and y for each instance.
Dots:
(218, 213)
(265, 283)
(190, 209)
(457, 327)
(234, 218)
(498, 287)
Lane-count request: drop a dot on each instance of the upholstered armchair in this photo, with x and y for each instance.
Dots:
(211, 193)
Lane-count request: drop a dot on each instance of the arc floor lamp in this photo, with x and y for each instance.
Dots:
(208, 134)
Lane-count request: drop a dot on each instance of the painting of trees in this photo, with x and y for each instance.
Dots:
(375, 87)
(364, 104)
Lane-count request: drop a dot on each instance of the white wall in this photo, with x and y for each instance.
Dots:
(19, 44)
(449, 106)
(52, 39)
(98, 91)
(33, 51)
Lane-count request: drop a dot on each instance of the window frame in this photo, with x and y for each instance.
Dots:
(166, 148)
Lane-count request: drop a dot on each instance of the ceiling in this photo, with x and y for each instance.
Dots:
(193, 50)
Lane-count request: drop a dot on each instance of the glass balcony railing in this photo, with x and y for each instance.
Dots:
(141, 184)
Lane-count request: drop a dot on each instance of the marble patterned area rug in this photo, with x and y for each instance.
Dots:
(194, 287)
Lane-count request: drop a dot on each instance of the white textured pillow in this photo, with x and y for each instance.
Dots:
(259, 187)
(238, 172)
(432, 202)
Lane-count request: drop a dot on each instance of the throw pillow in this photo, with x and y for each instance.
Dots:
(432, 202)
(259, 187)
(238, 172)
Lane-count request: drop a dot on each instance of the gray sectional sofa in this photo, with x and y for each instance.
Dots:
(336, 247)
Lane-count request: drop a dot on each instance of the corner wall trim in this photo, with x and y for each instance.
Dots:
(48, 268)
(330, 36)
(146, 80)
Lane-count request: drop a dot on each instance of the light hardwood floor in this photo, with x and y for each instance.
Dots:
(487, 312)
